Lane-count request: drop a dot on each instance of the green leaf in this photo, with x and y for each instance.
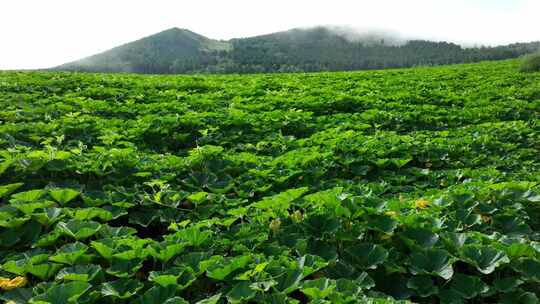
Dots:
(484, 258)
(507, 284)
(519, 297)
(423, 285)
(366, 255)
(91, 213)
(159, 294)
(78, 229)
(468, 286)
(165, 252)
(433, 262)
(17, 296)
(240, 293)
(30, 207)
(211, 300)
(289, 280)
(44, 271)
(220, 271)
(192, 236)
(62, 293)
(122, 268)
(382, 223)
(180, 277)
(49, 216)
(318, 289)
(105, 247)
(69, 253)
(121, 289)
(321, 224)
(6, 190)
(280, 202)
(27, 196)
(83, 273)
(450, 296)
(64, 196)
(529, 268)
(419, 238)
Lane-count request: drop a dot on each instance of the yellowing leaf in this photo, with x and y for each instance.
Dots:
(9, 284)
(391, 213)
(386, 236)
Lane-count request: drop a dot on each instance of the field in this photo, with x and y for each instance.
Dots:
(416, 185)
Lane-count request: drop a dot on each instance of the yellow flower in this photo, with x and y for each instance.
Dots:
(275, 224)
(487, 219)
(9, 284)
(421, 203)
(297, 216)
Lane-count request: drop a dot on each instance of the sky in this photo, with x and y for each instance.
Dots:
(46, 33)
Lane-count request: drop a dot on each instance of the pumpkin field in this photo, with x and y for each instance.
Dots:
(412, 185)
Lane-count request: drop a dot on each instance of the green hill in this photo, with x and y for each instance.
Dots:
(314, 49)
(159, 53)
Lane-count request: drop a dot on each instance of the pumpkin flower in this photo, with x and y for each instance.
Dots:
(9, 284)
(297, 216)
(421, 203)
(275, 224)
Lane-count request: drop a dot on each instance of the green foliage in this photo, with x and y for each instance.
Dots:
(415, 185)
(531, 63)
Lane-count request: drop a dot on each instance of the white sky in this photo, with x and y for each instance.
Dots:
(45, 33)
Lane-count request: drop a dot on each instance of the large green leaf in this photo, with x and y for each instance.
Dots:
(78, 229)
(382, 223)
(280, 202)
(6, 190)
(529, 269)
(164, 252)
(419, 238)
(318, 289)
(17, 296)
(432, 261)
(468, 286)
(62, 293)
(423, 286)
(28, 196)
(84, 273)
(64, 196)
(121, 289)
(180, 277)
(192, 236)
(220, 270)
(484, 258)
(69, 253)
(240, 293)
(366, 255)
(158, 294)
(44, 271)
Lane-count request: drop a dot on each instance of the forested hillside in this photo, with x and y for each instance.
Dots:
(297, 50)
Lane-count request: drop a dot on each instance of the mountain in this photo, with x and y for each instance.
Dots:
(160, 53)
(314, 49)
